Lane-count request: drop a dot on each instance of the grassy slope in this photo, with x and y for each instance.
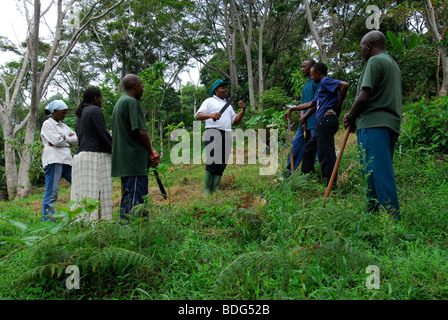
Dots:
(257, 238)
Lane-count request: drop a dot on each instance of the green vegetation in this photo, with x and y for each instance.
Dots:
(257, 238)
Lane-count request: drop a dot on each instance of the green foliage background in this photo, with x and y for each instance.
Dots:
(258, 238)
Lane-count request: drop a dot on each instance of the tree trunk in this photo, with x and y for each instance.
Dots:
(196, 85)
(319, 43)
(10, 167)
(161, 138)
(231, 46)
(9, 129)
(23, 179)
(153, 122)
(247, 48)
(431, 24)
(336, 43)
(444, 87)
(260, 54)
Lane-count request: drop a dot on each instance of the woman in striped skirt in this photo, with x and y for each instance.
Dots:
(91, 172)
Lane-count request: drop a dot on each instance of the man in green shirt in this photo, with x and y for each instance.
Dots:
(376, 115)
(132, 151)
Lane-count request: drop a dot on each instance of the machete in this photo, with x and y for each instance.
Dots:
(226, 105)
(159, 182)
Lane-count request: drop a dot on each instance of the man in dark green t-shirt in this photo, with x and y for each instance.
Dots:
(132, 151)
(376, 115)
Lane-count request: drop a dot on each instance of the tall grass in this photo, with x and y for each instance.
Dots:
(257, 238)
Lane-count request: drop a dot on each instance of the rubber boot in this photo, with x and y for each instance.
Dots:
(208, 182)
(216, 181)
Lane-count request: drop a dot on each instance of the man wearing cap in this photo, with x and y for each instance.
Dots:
(218, 130)
(57, 138)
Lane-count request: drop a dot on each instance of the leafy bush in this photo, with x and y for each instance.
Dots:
(269, 118)
(425, 125)
(275, 98)
(416, 55)
(261, 119)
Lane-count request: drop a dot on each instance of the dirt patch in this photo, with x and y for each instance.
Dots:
(249, 201)
(227, 182)
(177, 195)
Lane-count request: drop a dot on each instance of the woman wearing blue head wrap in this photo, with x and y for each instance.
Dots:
(56, 105)
(57, 138)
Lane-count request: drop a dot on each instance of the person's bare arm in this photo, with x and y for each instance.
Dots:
(154, 156)
(360, 104)
(307, 115)
(205, 116)
(300, 107)
(240, 115)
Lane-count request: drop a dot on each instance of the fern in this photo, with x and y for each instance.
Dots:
(100, 260)
(97, 249)
(51, 270)
(117, 259)
(94, 238)
(254, 263)
(99, 237)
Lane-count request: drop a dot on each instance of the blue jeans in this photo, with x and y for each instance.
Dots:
(133, 191)
(53, 174)
(298, 144)
(376, 147)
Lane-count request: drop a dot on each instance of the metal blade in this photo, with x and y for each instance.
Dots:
(226, 105)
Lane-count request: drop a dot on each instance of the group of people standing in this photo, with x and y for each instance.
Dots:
(97, 159)
(128, 152)
(375, 116)
(324, 106)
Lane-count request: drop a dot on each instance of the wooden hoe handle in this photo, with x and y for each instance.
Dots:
(338, 161)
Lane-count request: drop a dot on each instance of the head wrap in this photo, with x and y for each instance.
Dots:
(56, 105)
(218, 83)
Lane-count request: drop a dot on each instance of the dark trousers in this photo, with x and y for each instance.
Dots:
(133, 191)
(218, 145)
(323, 144)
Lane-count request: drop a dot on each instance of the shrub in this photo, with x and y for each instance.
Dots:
(425, 125)
(276, 98)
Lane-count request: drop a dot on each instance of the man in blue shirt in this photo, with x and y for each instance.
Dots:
(309, 91)
(327, 105)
